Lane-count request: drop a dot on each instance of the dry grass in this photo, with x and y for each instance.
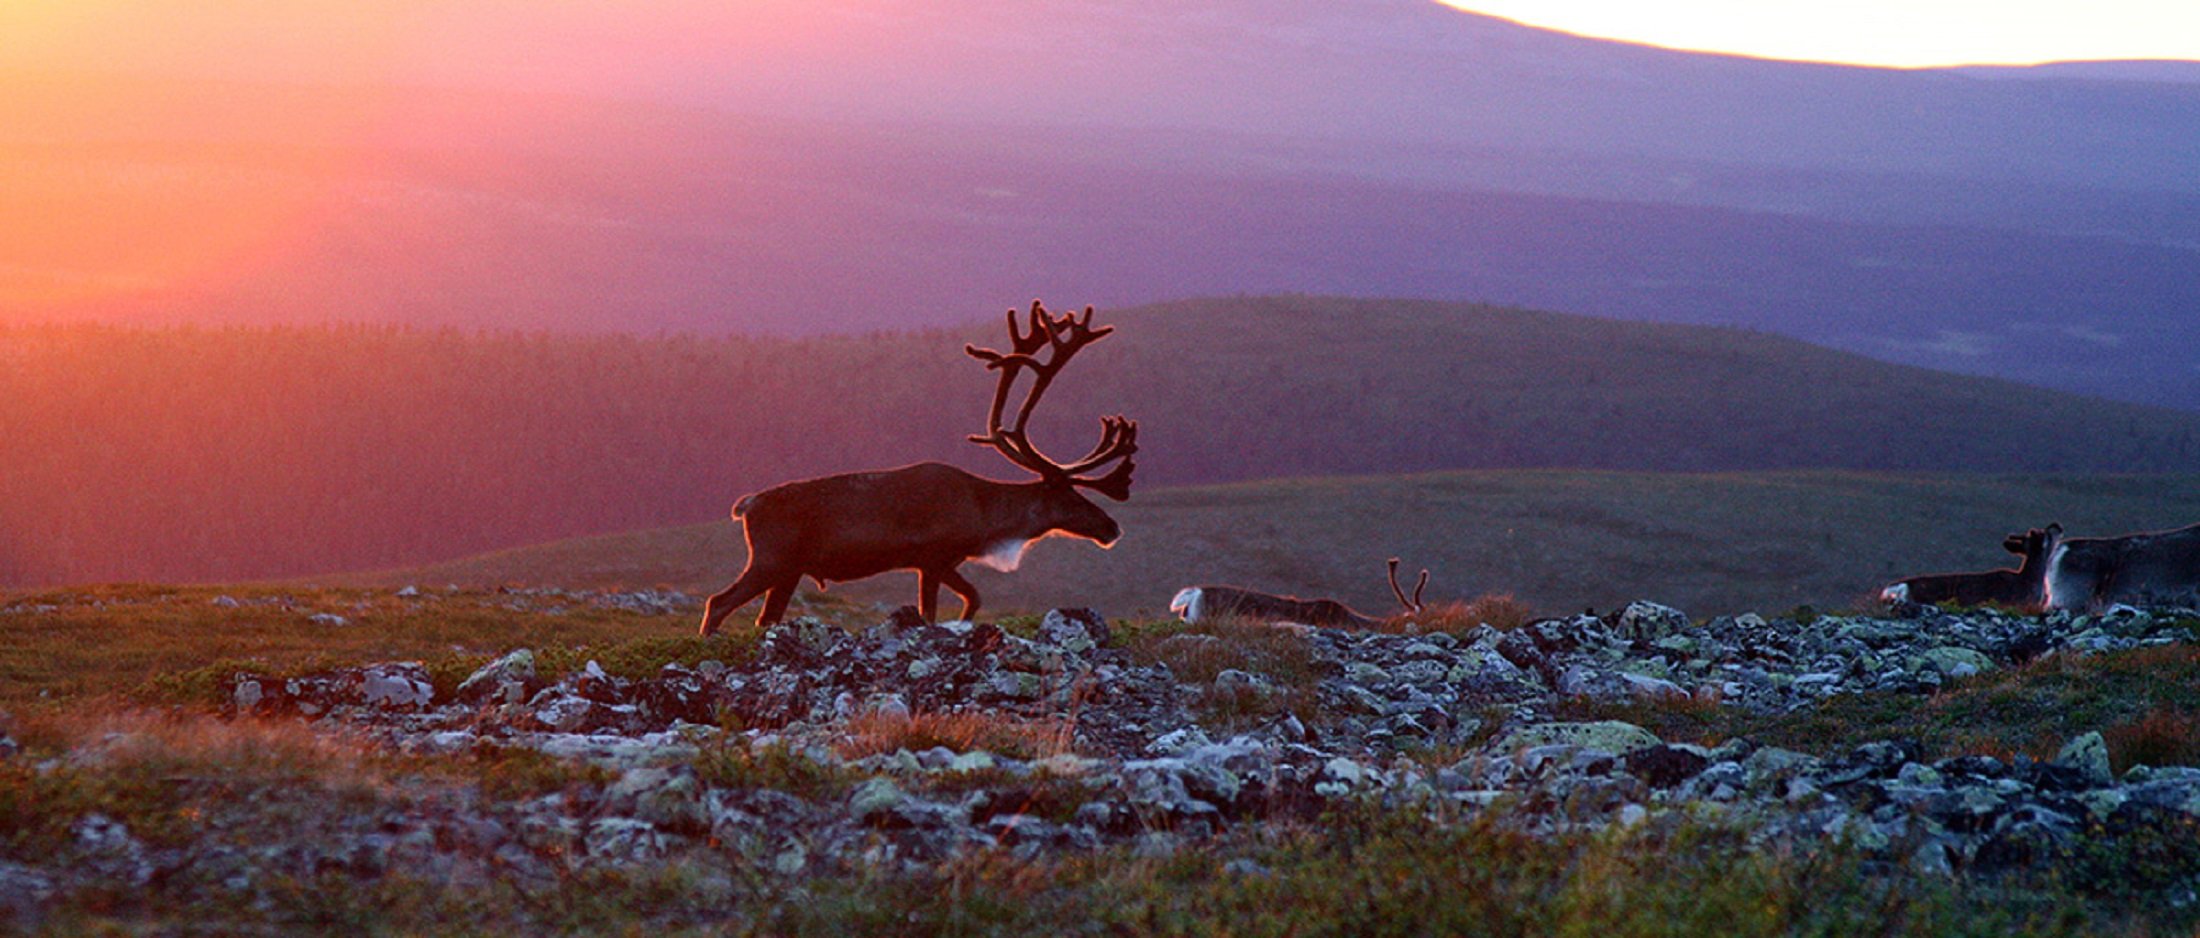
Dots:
(187, 744)
(113, 640)
(2163, 735)
(1500, 611)
(1279, 655)
(1197, 653)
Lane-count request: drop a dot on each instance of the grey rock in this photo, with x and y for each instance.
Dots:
(505, 680)
(24, 890)
(626, 840)
(1076, 631)
(1648, 622)
(2089, 755)
(668, 799)
(397, 686)
(876, 800)
(1179, 741)
(1608, 735)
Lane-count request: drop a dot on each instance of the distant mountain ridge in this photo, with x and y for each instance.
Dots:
(2166, 71)
(813, 166)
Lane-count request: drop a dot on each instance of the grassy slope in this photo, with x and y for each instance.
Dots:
(284, 453)
(1708, 543)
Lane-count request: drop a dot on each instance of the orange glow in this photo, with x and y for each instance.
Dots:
(120, 178)
(156, 148)
(1902, 33)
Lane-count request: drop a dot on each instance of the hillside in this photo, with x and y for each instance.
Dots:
(1559, 541)
(226, 454)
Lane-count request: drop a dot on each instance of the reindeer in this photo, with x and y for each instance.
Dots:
(1194, 603)
(2021, 588)
(931, 517)
(2157, 567)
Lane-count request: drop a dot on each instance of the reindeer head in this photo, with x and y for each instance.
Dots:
(1043, 349)
(2035, 543)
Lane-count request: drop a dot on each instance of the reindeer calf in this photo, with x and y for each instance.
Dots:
(2022, 588)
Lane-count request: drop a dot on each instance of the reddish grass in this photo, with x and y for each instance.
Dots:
(2161, 736)
(1496, 610)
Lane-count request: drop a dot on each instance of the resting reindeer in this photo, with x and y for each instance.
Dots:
(2089, 573)
(1194, 603)
(931, 517)
(2020, 588)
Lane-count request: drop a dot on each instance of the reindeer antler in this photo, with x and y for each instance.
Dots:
(1060, 337)
(1413, 605)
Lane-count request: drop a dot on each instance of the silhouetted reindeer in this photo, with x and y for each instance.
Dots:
(2089, 573)
(931, 517)
(2022, 588)
(1194, 603)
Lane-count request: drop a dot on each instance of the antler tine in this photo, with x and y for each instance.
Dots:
(1023, 345)
(1061, 336)
(1064, 336)
(1118, 438)
(1411, 605)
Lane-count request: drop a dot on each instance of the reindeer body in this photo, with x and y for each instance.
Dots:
(932, 517)
(2087, 573)
(1195, 603)
(2021, 588)
(1200, 603)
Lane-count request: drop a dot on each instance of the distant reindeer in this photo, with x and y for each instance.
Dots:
(931, 517)
(2158, 567)
(2022, 588)
(1194, 603)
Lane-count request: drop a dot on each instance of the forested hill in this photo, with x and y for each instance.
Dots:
(238, 453)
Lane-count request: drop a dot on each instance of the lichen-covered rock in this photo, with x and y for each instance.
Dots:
(507, 680)
(2088, 754)
(1076, 631)
(24, 890)
(625, 840)
(1145, 768)
(1645, 621)
(397, 686)
(1610, 736)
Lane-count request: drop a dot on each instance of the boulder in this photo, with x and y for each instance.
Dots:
(506, 680)
(1610, 736)
(1647, 622)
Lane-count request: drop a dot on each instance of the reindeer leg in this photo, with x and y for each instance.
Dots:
(775, 601)
(722, 604)
(928, 594)
(955, 581)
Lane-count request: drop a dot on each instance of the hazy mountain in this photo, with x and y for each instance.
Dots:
(2177, 71)
(829, 165)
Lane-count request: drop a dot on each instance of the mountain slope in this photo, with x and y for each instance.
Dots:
(226, 454)
(642, 219)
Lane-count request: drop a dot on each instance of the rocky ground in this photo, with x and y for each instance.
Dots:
(906, 744)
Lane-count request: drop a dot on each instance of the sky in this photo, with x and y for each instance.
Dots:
(1901, 33)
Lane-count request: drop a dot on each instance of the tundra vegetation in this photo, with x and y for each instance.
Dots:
(145, 787)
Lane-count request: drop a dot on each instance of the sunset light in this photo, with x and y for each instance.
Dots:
(1902, 33)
